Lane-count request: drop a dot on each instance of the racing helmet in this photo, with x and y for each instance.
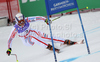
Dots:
(19, 17)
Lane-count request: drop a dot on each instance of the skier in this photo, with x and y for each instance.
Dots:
(31, 36)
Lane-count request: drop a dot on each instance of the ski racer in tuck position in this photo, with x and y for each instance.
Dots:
(31, 36)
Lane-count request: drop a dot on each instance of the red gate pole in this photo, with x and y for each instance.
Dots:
(10, 11)
(18, 5)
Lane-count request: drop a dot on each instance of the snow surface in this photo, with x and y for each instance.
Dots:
(67, 27)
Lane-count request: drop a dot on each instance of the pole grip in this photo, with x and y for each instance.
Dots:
(17, 61)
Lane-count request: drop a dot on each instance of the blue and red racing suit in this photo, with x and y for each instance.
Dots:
(31, 36)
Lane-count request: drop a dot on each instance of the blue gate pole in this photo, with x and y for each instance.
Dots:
(83, 28)
(52, 39)
(47, 9)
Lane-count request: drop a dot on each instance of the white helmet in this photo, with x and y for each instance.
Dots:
(19, 17)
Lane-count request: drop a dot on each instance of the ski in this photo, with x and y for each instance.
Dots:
(80, 42)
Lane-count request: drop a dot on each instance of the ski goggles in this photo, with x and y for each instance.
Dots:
(21, 22)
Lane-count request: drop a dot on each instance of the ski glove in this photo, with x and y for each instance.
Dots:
(8, 51)
(46, 20)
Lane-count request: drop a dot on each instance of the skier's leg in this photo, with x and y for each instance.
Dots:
(55, 39)
(27, 41)
(46, 37)
(62, 41)
(41, 42)
(38, 41)
(59, 40)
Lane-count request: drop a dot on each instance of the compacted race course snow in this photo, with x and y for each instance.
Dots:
(67, 27)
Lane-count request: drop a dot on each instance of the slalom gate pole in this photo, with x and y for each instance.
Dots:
(84, 34)
(83, 28)
(18, 5)
(50, 30)
(52, 39)
(15, 56)
(8, 10)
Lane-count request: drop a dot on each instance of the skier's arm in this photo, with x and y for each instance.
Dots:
(12, 35)
(37, 18)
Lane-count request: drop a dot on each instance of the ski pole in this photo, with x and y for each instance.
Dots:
(15, 56)
(55, 18)
(76, 10)
(69, 12)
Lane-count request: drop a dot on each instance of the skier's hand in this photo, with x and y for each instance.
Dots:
(8, 51)
(47, 22)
